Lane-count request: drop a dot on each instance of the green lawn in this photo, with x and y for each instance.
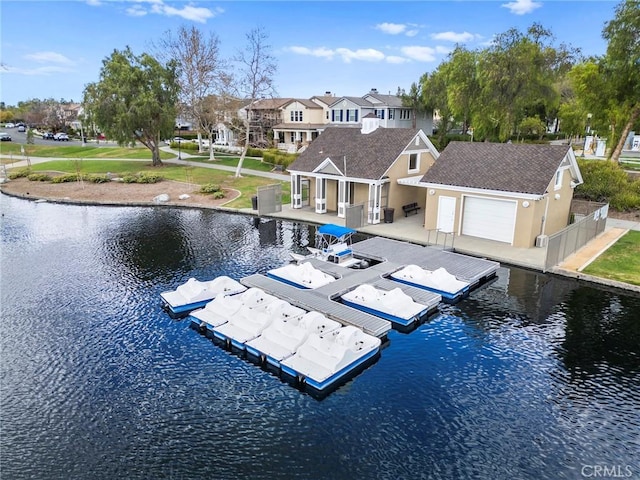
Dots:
(620, 262)
(247, 185)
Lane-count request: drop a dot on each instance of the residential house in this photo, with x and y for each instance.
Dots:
(344, 167)
(512, 193)
(265, 114)
(302, 122)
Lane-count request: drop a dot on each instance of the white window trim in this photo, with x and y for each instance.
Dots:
(417, 169)
(558, 179)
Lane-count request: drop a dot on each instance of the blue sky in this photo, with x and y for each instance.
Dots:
(52, 49)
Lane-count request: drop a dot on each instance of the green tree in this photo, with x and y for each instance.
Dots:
(412, 100)
(621, 65)
(462, 84)
(434, 97)
(134, 100)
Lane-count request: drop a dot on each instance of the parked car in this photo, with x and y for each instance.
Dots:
(61, 137)
(5, 137)
(47, 136)
(22, 128)
(9, 125)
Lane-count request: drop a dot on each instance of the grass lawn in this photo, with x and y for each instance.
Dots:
(247, 184)
(620, 262)
(78, 151)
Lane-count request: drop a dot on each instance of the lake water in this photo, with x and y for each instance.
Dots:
(532, 376)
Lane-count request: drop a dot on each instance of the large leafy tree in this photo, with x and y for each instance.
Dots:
(134, 100)
(621, 65)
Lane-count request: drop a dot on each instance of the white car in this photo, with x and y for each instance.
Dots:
(61, 137)
(10, 125)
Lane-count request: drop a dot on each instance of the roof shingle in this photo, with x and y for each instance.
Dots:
(519, 168)
(366, 156)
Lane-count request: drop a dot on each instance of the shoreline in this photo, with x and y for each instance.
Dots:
(142, 195)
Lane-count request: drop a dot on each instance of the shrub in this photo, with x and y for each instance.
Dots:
(67, 177)
(39, 177)
(95, 178)
(625, 201)
(141, 177)
(25, 172)
(602, 180)
(254, 152)
(210, 188)
(218, 195)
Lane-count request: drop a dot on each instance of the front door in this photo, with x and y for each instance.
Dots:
(446, 214)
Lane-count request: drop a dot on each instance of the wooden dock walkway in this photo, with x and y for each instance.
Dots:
(392, 255)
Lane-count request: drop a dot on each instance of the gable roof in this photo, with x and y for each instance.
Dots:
(326, 99)
(504, 167)
(386, 100)
(303, 101)
(271, 103)
(366, 156)
(361, 102)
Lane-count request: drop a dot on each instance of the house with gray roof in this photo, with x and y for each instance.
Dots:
(512, 193)
(347, 167)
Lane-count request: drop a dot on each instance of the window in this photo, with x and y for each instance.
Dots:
(379, 113)
(293, 137)
(391, 113)
(413, 162)
(336, 115)
(405, 114)
(296, 115)
(352, 115)
(558, 181)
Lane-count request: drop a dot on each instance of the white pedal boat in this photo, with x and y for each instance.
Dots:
(218, 311)
(438, 281)
(323, 360)
(284, 336)
(393, 305)
(303, 275)
(195, 294)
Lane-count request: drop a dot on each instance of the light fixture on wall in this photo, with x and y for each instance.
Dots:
(557, 196)
(432, 192)
(525, 204)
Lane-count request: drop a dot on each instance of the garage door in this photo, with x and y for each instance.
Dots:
(489, 218)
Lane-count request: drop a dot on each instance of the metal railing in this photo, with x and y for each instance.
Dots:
(438, 234)
(577, 235)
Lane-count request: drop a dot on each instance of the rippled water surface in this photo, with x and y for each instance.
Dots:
(532, 376)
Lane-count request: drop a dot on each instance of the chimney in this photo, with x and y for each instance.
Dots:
(374, 90)
(327, 94)
(370, 123)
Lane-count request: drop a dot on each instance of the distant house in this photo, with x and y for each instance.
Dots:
(265, 114)
(302, 121)
(511, 193)
(345, 167)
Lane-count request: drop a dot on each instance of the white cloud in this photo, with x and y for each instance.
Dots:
(411, 33)
(421, 54)
(94, 3)
(522, 7)
(159, 7)
(453, 36)
(39, 71)
(315, 52)
(391, 28)
(347, 55)
(396, 60)
(364, 54)
(50, 57)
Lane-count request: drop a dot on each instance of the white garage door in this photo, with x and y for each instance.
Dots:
(489, 218)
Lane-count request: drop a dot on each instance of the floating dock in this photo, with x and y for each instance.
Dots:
(392, 255)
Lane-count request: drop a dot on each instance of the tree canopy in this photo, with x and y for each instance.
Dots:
(134, 100)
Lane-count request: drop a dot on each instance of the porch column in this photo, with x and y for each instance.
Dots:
(342, 198)
(373, 208)
(296, 191)
(321, 195)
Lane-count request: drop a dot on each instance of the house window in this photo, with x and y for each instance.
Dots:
(413, 162)
(379, 113)
(296, 115)
(336, 115)
(405, 114)
(352, 115)
(327, 114)
(391, 114)
(558, 181)
(293, 137)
